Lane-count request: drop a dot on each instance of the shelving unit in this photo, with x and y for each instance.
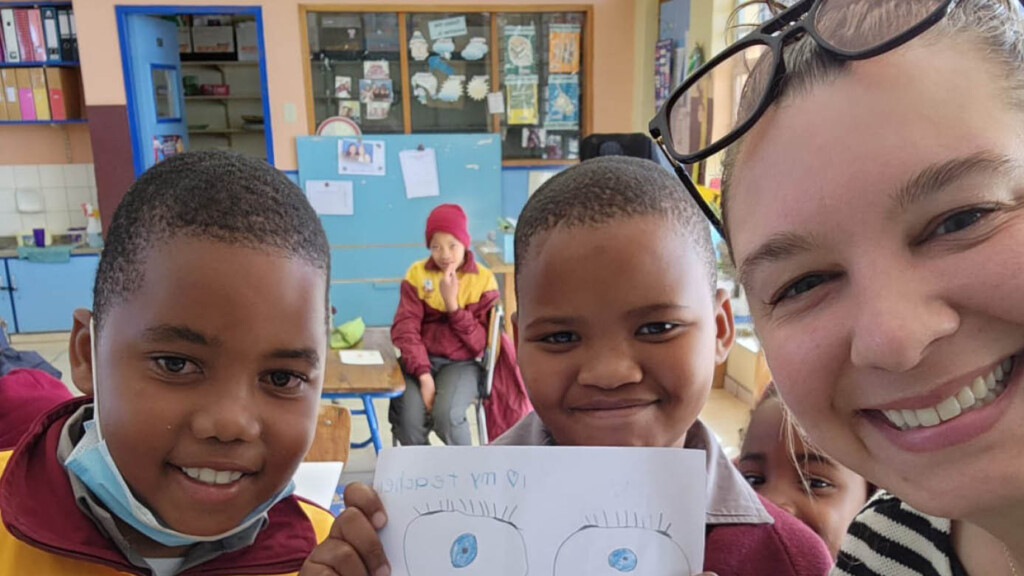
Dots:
(217, 98)
(226, 131)
(63, 125)
(41, 122)
(223, 114)
(48, 64)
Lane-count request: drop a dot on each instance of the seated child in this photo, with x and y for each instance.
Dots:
(784, 468)
(620, 327)
(201, 363)
(440, 328)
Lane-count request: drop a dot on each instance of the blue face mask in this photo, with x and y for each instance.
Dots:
(93, 465)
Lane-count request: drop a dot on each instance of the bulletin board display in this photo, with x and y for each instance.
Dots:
(520, 72)
(372, 248)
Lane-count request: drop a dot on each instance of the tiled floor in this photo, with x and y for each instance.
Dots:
(723, 412)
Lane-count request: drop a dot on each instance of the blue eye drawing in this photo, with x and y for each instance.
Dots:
(463, 550)
(621, 543)
(622, 559)
(464, 538)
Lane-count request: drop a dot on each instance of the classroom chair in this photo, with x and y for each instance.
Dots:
(333, 429)
(488, 361)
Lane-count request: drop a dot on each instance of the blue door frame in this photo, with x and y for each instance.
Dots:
(123, 12)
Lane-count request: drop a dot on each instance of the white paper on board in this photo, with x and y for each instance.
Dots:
(361, 357)
(560, 511)
(331, 197)
(419, 172)
(496, 103)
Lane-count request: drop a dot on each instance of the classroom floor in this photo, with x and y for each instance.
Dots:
(723, 412)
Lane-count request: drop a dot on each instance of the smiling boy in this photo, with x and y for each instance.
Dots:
(201, 363)
(619, 329)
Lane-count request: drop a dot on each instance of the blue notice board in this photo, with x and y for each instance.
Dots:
(372, 249)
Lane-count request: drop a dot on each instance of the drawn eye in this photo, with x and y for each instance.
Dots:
(636, 548)
(463, 550)
(622, 559)
(464, 539)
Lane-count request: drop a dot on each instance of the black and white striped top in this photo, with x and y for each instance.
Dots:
(889, 538)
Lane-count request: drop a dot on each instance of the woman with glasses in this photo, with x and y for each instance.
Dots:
(872, 198)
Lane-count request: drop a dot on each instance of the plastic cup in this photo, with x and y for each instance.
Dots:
(40, 236)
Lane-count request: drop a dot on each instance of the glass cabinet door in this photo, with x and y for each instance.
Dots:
(541, 68)
(449, 71)
(355, 69)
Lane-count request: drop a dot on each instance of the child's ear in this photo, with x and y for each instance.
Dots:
(80, 351)
(725, 328)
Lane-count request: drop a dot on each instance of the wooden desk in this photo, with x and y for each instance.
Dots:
(494, 261)
(365, 382)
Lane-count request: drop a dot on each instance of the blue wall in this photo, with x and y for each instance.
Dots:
(675, 21)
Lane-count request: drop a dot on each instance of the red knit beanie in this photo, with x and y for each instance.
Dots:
(451, 219)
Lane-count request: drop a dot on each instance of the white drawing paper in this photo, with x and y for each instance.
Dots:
(361, 357)
(548, 511)
(419, 172)
(330, 197)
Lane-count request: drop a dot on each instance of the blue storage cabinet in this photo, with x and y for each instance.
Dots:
(45, 295)
(6, 305)
(371, 250)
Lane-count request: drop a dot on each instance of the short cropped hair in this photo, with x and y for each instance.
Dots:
(211, 195)
(607, 189)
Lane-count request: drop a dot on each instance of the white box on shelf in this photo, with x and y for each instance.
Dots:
(248, 43)
(184, 39)
(213, 39)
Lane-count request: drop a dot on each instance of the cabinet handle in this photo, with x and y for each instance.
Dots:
(14, 286)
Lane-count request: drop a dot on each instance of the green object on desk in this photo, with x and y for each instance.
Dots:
(48, 255)
(348, 334)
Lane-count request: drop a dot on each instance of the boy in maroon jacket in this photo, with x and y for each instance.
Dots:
(619, 330)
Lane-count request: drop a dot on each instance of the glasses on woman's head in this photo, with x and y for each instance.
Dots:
(846, 29)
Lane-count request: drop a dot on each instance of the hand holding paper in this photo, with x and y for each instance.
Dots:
(352, 548)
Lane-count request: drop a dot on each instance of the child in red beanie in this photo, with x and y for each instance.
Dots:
(440, 328)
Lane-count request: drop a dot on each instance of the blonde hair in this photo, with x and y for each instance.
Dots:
(996, 25)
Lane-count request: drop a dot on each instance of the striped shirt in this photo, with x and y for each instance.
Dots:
(889, 538)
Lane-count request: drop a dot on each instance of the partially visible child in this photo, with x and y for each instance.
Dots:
(620, 327)
(783, 467)
(440, 328)
(201, 362)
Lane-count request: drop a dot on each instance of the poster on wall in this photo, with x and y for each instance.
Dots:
(361, 157)
(376, 70)
(520, 48)
(564, 49)
(563, 102)
(522, 99)
(663, 51)
(343, 86)
(447, 27)
(376, 91)
(166, 146)
(350, 109)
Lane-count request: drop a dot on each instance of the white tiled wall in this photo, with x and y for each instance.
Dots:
(64, 187)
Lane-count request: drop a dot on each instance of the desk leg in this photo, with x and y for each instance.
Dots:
(371, 419)
(509, 281)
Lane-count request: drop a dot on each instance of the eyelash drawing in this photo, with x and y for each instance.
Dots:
(464, 537)
(622, 542)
